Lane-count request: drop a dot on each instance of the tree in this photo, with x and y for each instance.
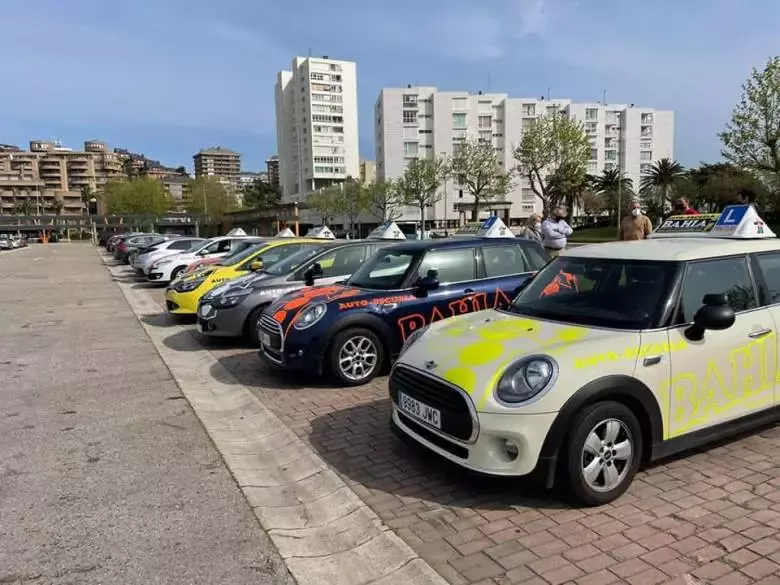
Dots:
(324, 202)
(710, 187)
(551, 147)
(419, 185)
(136, 197)
(127, 167)
(181, 171)
(752, 138)
(351, 200)
(612, 188)
(260, 195)
(56, 207)
(86, 195)
(25, 207)
(384, 201)
(476, 166)
(208, 196)
(592, 204)
(661, 179)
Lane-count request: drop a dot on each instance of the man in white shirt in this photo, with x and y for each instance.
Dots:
(555, 232)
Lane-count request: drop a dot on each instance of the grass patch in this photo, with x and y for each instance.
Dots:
(592, 235)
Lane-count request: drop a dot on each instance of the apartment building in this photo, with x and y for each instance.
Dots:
(272, 171)
(220, 163)
(415, 122)
(316, 125)
(367, 171)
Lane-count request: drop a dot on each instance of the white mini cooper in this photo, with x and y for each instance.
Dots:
(612, 355)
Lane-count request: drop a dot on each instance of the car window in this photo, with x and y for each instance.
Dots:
(600, 292)
(181, 245)
(385, 270)
(342, 262)
(729, 276)
(504, 260)
(212, 248)
(534, 256)
(769, 264)
(276, 254)
(451, 265)
(293, 261)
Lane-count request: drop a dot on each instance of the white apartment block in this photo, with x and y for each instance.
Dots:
(422, 122)
(316, 125)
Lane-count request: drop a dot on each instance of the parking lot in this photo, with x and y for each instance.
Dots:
(710, 517)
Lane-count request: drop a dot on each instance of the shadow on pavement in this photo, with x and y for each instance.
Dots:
(183, 341)
(249, 369)
(358, 444)
(160, 320)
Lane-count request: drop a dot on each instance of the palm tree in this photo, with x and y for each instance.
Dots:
(661, 178)
(25, 207)
(609, 183)
(56, 206)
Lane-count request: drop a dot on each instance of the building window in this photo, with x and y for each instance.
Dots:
(646, 144)
(460, 103)
(609, 167)
(591, 128)
(594, 153)
(459, 120)
(527, 194)
(410, 117)
(552, 110)
(646, 131)
(646, 155)
(411, 149)
(485, 122)
(486, 136)
(526, 124)
(529, 109)
(645, 168)
(646, 119)
(592, 167)
(610, 155)
(610, 143)
(410, 132)
(426, 131)
(527, 208)
(410, 101)
(612, 118)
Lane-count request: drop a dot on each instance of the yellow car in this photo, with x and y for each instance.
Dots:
(182, 295)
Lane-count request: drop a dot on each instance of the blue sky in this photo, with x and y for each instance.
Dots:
(168, 77)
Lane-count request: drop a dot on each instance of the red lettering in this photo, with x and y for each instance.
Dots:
(502, 301)
(410, 324)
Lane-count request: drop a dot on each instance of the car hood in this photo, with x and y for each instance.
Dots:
(472, 351)
(338, 298)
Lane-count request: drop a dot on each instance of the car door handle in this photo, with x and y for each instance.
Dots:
(468, 291)
(759, 333)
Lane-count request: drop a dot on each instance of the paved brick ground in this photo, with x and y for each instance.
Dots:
(711, 517)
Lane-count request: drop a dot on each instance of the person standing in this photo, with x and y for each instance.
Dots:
(636, 226)
(555, 232)
(533, 228)
(683, 207)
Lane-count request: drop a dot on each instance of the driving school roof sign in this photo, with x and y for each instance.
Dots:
(492, 227)
(736, 221)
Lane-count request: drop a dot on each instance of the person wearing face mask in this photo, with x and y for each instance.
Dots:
(683, 207)
(555, 232)
(636, 226)
(533, 228)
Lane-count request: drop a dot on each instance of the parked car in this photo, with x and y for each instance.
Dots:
(5, 242)
(235, 308)
(353, 331)
(146, 256)
(128, 245)
(238, 248)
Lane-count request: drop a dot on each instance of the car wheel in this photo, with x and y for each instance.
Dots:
(252, 324)
(356, 356)
(176, 272)
(603, 453)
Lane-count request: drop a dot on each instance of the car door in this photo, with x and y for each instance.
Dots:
(766, 268)
(729, 373)
(456, 270)
(337, 265)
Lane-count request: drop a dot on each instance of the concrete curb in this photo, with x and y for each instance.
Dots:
(322, 529)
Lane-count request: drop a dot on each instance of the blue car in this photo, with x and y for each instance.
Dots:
(354, 330)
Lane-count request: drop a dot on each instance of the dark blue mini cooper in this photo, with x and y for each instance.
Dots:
(354, 330)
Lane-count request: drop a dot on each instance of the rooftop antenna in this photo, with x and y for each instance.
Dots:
(548, 93)
(310, 52)
(604, 97)
(488, 82)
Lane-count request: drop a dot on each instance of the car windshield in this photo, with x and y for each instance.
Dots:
(241, 256)
(194, 248)
(598, 292)
(385, 270)
(291, 263)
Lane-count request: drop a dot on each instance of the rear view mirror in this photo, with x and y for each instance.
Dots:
(257, 264)
(714, 315)
(430, 281)
(314, 271)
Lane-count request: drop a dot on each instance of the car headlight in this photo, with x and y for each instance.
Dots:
(310, 316)
(412, 339)
(231, 299)
(189, 284)
(526, 379)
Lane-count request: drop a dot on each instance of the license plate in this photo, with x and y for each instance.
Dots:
(418, 410)
(265, 339)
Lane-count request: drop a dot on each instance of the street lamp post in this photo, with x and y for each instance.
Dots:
(620, 173)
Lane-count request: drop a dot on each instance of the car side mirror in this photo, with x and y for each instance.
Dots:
(257, 264)
(714, 315)
(314, 271)
(429, 282)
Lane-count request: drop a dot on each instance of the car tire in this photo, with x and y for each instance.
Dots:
(176, 272)
(602, 453)
(250, 325)
(361, 344)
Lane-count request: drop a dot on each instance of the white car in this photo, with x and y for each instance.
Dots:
(143, 261)
(613, 355)
(167, 268)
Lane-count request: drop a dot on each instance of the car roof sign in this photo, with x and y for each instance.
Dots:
(492, 227)
(236, 232)
(734, 222)
(387, 231)
(322, 233)
(286, 233)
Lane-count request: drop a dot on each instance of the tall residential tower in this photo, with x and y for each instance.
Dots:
(316, 125)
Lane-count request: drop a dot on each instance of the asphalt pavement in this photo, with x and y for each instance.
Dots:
(106, 474)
